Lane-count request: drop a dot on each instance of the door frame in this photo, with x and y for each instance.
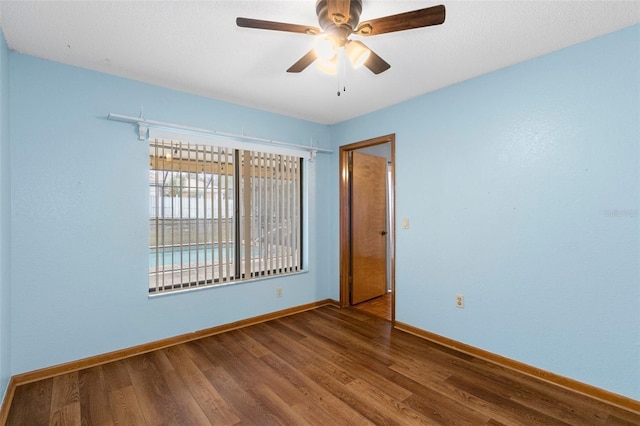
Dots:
(345, 214)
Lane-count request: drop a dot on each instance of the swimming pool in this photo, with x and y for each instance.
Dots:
(189, 255)
(194, 255)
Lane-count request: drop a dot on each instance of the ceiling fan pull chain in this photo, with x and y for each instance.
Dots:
(342, 74)
(340, 71)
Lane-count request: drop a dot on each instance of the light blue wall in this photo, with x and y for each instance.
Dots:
(522, 188)
(80, 216)
(5, 222)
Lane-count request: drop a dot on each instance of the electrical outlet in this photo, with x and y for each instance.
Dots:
(459, 301)
(279, 292)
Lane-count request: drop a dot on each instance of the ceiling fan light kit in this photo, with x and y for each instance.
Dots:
(338, 20)
(328, 66)
(357, 53)
(325, 47)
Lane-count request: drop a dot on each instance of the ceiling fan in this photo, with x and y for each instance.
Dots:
(338, 20)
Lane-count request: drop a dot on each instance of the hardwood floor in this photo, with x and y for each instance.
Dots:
(380, 306)
(327, 366)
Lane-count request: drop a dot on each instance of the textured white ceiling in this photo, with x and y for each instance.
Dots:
(195, 46)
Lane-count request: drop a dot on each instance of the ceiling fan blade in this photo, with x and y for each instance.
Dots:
(276, 26)
(375, 63)
(338, 11)
(403, 21)
(304, 62)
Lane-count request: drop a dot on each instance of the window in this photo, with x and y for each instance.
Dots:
(219, 215)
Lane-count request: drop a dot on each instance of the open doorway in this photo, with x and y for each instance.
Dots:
(367, 226)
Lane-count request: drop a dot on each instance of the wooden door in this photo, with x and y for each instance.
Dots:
(368, 227)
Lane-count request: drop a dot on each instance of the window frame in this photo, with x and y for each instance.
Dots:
(239, 274)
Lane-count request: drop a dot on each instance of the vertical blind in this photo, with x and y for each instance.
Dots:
(220, 215)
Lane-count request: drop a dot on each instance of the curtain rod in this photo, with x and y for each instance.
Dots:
(144, 125)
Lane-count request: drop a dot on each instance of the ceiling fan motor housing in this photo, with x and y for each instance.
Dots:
(336, 24)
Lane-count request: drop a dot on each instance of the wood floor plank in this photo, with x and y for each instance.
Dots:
(313, 415)
(93, 394)
(253, 347)
(65, 390)
(613, 420)
(187, 411)
(344, 326)
(65, 398)
(279, 325)
(31, 404)
(443, 410)
(245, 405)
(152, 391)
(499, 404)
(350, 341)
(210, 401)
(198, 356)
(339, 390)
(341, 412)
(348, 365)
(245, 375)
(418, 374)
(280, 344)
(619, 414)
(125, 407)
(262, 373)
(330, 358)
(116, 375)
(380, 306)
(277, 406)
(357, 401)
(395, 411)
(324, 366)
(68, 415)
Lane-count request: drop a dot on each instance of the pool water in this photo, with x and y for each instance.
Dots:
(189, 255)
